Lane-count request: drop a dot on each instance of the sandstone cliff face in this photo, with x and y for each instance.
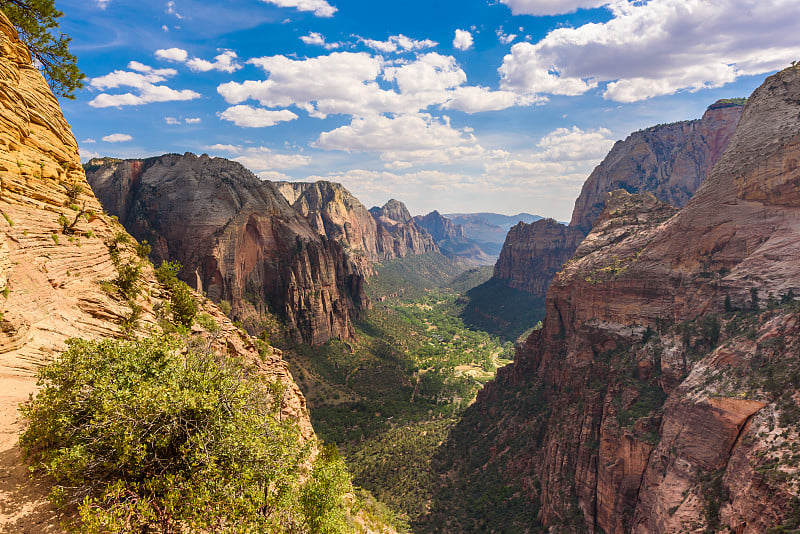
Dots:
(397, 224)
(642, 405)
(237, 239)
(440, 227)
(51, 270)
(670, 161)
(367, 236)
(534, 253)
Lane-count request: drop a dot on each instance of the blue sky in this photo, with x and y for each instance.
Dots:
(455, 105)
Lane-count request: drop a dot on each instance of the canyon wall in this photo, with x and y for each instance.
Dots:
(661, 393)
(237, 239)
(669, 160)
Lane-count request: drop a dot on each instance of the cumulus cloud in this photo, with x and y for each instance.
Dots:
(172, 121)
(321, 8)
(348, 83)
(317, 39)
(262, 160)
(550, 7)
(178, 55)
(193, 120)
(117, 138)
(565, 144)
(398, 43)
(144, 79)
(657, 48)
(251, 117)
(224, 62)
(88, 140)
(463, 40)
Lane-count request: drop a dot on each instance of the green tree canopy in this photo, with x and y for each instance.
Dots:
(37, 24)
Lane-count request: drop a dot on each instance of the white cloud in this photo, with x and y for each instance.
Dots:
(480, 99)
(144, 81)
(193, 120)
(505, 38)
(172, 121)
(463, 40)
(551, 7)
(398, 42)
(103, 3)
(250, 117)
(262, 160)
(348, 83)
(317, 39)
(117, 138)
(224, 62)
(321, 8)
(565, 144)
(172, 11)
(172, 54)
(657, 48)
(88, 141)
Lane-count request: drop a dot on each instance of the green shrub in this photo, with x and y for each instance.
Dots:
(127, 280)
(143, 249)
(226, 307)
(207, 322)
(167, 273)
(144, 438)
(184, 308)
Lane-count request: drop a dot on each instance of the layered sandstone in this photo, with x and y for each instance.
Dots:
(237, 239)
(655, 409)
(534, 253)
(54, 254)
(670, 161)
(407, 238)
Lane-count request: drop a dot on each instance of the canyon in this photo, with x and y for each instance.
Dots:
(660, 393)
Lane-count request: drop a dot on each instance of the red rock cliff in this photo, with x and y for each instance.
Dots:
(237, 239)
(670, 161)
(643, 405)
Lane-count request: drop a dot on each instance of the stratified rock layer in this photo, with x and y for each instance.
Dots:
(669, 161)
(534, 253)
(654, 409)
(237, 239)
(52, 263)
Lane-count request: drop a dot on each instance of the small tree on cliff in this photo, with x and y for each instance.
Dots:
(37, 24)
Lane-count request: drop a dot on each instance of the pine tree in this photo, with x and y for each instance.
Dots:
(37, 24)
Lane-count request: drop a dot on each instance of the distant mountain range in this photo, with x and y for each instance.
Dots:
(489, 228)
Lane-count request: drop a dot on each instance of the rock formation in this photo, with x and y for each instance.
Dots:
(237, 239)
(54, 254)
(440, 227)
(669, 160)
(647, 402)
(534, 253)
(406, 237)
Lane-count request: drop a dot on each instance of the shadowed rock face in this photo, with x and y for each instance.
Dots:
(237, 239)
(670, 161)
(641, 425)
(405, 236)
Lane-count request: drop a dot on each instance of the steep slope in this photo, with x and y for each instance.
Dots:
(407, 237)
(661, 393)
(669, 160)
(237, 239)
(54, 255)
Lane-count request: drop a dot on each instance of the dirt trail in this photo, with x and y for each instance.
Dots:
(24, 508)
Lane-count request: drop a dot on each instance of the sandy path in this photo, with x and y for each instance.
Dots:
(23, 502)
